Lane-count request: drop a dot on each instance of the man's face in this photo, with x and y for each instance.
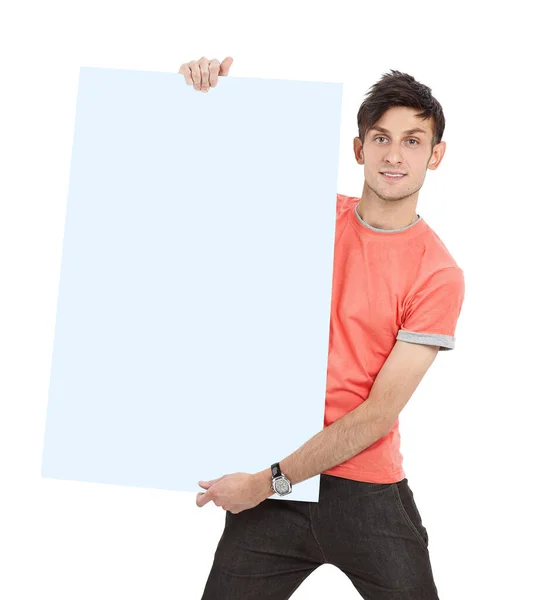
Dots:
(398, 142)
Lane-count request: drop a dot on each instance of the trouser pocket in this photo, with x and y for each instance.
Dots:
(410, 513)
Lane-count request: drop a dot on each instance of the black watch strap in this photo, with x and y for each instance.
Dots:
(275, 470)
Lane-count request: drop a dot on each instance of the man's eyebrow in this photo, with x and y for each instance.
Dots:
(407, 132)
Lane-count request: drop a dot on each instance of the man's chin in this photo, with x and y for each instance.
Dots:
(386, 194)
(395, 192)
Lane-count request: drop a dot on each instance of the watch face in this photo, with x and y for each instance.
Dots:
(282, 486)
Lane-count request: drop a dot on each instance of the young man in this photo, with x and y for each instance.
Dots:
(396, 298)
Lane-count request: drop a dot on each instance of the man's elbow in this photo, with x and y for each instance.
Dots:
(384, 427)
(381, 422)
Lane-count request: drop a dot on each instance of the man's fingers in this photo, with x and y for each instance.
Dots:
(225, 66)
(185, 70)
(214, 72)
(204, 73)
(195, 73)
(203, 498)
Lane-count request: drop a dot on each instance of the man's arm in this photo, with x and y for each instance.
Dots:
(354, 432)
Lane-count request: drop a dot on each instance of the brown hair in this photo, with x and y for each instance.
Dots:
(400, 89)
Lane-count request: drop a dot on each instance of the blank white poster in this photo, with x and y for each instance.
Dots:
(192, 327)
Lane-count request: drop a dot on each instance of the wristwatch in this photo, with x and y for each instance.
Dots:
(280, 483)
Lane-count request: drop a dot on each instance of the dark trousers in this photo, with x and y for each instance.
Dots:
(371, 531)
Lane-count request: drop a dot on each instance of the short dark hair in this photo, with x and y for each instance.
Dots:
(400, 89)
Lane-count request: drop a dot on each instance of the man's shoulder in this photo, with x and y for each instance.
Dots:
(344, 202)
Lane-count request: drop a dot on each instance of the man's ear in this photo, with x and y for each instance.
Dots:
(358, 150)
(437, 155)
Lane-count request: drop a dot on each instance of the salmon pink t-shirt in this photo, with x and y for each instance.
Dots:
(388, 285)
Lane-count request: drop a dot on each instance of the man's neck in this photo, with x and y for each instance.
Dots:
(384, 213)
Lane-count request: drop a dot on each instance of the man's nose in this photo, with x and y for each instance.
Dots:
(393, 154)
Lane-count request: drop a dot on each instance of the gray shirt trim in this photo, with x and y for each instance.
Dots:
(365, 224)
(445, 342)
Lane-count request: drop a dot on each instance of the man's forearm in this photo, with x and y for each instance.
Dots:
(346, 437)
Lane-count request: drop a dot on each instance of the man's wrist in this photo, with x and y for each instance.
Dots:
(263, 480)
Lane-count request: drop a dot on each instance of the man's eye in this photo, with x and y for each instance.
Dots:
(381, 137)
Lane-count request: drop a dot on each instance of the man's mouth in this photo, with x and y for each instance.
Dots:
(392, 176)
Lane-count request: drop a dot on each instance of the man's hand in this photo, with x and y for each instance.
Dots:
(204, 73)
(235, 492)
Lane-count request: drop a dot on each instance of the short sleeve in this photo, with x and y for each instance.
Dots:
(431, 314)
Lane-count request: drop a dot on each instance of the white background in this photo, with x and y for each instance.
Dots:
(466, 433)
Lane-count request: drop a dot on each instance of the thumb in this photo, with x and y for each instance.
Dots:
(225, 66)
(207, 484)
